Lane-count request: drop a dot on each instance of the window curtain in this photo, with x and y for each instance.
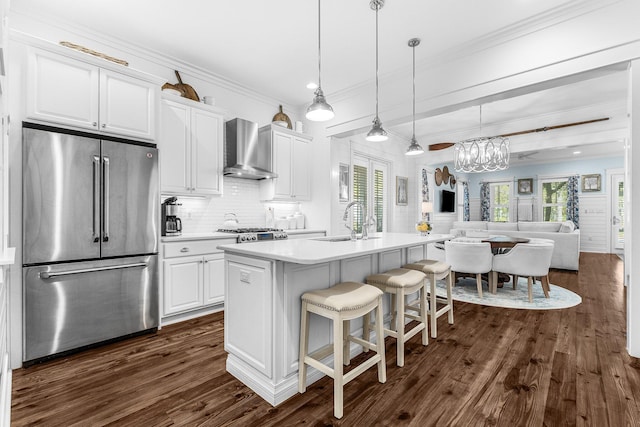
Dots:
(425, 188)
(466, 216)
(485, 201)
(573, 200)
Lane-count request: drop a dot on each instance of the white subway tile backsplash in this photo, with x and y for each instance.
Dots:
(240, 196)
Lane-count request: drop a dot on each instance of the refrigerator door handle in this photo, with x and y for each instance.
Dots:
(48, 275)
(105, 200)
(96, 199)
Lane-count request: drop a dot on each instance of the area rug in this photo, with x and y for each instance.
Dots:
(465, 291)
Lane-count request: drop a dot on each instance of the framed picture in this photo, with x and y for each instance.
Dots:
(402, 195)
(525, 186)
(343, 184)
(591, 182)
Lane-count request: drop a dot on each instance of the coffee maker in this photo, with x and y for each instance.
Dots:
(170, 224)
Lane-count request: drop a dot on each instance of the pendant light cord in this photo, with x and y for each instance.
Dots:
(414, 91)
(377, 9)
(319, 51)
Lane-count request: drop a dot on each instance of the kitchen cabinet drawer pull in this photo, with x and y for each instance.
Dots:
(94, 124)
(185, 250)
(47, 275)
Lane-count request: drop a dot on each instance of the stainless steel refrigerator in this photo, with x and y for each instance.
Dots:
(90, 239)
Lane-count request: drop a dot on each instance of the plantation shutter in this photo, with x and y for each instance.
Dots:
(360, 192)
(378, 198)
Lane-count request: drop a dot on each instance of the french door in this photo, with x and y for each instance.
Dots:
(617, 212)
(370, 188)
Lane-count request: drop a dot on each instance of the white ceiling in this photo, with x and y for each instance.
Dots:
(271, 46)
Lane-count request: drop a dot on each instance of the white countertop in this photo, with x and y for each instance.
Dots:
(215, 235)
(315, 251)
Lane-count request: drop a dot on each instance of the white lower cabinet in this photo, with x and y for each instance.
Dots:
(193, 276)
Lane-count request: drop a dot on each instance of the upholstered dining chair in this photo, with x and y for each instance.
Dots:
(470, 258)
(528, 260)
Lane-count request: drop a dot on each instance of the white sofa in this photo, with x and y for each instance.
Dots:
(566, 251)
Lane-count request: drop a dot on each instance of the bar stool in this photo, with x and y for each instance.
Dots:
(400, 282)
(436, 270)
(341, 303)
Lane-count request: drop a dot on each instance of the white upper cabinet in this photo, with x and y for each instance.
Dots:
(127, 105)
(190, 146)
(291, 162)
(67, 91)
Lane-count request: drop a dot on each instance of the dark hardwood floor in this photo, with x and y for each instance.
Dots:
(493, 367)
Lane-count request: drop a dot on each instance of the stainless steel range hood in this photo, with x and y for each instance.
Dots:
(245, 156)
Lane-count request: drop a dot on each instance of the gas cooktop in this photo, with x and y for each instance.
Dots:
(248, 230)
(248, 235)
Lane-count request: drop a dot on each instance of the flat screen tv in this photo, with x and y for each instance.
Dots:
(448, 201)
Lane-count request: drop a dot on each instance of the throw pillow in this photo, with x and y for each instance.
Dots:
(567, 227)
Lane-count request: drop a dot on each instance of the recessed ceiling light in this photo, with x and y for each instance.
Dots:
(577, 152)
(312, 85)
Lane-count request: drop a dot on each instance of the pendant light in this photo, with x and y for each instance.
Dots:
(377, 133)
(319, 110)
(414, 148)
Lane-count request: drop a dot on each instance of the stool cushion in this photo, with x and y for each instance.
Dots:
(429, 266)
(397, 278)
(343, 296)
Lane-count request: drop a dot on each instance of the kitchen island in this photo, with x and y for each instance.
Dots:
(263, 285)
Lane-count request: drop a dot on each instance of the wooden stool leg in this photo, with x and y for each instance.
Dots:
(479, 284)
(450, 297)
(545, 285)
(366, 329)
(346, 346)
(380, 348)
(433, 307)
(530, 288)
(423, 314)
(338, 380)
(394, 312)
(400, 328)
(304, 338)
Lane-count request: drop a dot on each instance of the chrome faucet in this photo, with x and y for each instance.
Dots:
(345, 216)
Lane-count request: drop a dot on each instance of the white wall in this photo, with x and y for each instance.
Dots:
(400, 218)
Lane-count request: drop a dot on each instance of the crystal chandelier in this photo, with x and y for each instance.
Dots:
(482, 154)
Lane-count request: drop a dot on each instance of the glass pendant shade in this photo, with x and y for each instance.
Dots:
(414, 148)
(377, 133)
(319, 110)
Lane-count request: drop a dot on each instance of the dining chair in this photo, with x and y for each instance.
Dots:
(528, 260)
(470, 258)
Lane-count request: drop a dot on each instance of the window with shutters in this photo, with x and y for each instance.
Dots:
(370, 189)
(554, 199)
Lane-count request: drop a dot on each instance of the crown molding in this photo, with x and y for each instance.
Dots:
(144, 53)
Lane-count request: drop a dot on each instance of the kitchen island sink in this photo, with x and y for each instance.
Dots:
(263, 285)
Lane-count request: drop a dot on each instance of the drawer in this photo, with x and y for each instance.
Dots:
(194, 247)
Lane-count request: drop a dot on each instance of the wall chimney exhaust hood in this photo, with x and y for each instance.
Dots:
(245, 156)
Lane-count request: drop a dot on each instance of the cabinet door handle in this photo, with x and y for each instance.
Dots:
(205, 261)
(104, 125)
(94, 124)
(184, 250)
